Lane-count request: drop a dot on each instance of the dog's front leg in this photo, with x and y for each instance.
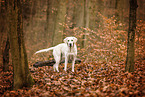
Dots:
(73, 63)
(66, 61)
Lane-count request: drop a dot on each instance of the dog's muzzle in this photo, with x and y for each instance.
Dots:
(70, 45)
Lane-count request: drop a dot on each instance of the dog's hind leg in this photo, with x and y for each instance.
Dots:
(55, 66)
(57, 61)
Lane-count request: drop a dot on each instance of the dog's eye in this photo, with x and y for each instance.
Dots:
(71, 40)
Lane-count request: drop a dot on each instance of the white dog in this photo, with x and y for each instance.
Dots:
(66, 49)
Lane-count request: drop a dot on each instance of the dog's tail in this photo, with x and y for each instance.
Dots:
(44, 50)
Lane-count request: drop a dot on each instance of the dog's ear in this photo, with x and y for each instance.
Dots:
(65, 40)
(75, 39)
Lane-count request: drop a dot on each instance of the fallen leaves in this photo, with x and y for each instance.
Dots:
(89, 79)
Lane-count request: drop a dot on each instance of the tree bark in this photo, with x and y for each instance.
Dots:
(60, 20)
(79, 13)
(86, 21)
(131, 37)
(6, 56)
(22, 76)
(4, 45)
(51, 16)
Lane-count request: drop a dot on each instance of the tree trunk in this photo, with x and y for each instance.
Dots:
(86, 21)
(79, 18)
(4, 36)
(22, 76)
(131, 37)
(60, 20)
(79, 13)
(6, 56)
(51, 16)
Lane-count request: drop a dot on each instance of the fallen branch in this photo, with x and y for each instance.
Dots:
(51, 62)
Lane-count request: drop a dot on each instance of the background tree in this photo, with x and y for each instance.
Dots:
(131, 36)
(50, 20)
(59, 21)
(6, 56)
(86, 20)
(22, 76)
(4, 41)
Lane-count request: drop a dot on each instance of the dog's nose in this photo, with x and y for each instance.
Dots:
(70, 45)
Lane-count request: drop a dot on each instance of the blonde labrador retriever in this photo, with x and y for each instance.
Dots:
(66, 49)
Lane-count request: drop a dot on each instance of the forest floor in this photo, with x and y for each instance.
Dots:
(89, 79)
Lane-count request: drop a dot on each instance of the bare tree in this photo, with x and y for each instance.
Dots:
(6, 56)
(22, 76)
(131, 36)
(60, 20)
(4, 40)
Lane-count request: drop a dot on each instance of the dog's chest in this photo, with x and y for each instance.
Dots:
(71, 50)
(68, 50)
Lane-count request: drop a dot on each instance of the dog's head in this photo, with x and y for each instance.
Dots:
(70, 41)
